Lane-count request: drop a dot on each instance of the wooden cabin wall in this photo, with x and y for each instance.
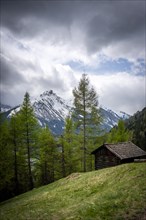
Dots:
(104, 158)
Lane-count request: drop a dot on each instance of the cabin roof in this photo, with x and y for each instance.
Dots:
(123, 150)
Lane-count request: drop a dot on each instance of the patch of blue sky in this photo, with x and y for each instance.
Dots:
(105, 67)
(139, 67)
(76, 65)
(114, 66)
(22, 46)
(108, 66)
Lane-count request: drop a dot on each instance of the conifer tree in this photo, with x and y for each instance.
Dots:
(86, 112)
(47, 147)
(119, 134)
(68, 144)
(15, 141)
(69, 147)
(19, 166)
(6, 161)
(29, 128)
(62, 156)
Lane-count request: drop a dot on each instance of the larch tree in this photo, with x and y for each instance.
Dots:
(68, 142)
(86, 113)
(29, 126)
(47, 145)
(62, 155)
(14, 130)
(16, 142)
(6, 161)
(119, 133)
(69, 139)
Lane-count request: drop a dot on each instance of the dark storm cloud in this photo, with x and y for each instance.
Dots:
(35, 32)
(9, 74)
(10, 79)
(13, 83)
(28, 18)
(119, 21)
(103, 22)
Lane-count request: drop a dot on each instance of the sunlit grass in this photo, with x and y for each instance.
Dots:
(115, 193)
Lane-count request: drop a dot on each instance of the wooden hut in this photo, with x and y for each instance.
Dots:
(109, 155)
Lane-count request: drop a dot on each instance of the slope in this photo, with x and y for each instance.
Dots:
(113, 193)
(137, 124)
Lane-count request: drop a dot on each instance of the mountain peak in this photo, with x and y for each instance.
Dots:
(51, 110)
(46, 93)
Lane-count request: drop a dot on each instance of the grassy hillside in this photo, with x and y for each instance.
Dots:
(115, 193)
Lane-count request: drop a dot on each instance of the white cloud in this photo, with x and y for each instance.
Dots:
(39, 41)
(130, 50)
(121, 91)
(43, 66)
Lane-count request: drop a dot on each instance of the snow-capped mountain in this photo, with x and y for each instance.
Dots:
(110, 119)
(123, 115)
(120, 114)
(51, 110)
(4, 108)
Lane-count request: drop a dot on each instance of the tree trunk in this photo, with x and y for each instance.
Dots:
(63, 160)
(84, 134)
(16, 170)
(31, 185)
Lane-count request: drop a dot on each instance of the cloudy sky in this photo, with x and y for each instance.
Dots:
(49, 44)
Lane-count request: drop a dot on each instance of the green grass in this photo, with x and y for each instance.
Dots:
(115, 193)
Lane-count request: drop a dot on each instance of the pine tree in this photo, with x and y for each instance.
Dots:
(86, 113)
(29, 128)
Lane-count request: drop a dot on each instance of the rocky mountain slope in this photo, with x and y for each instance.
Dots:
(51, 110)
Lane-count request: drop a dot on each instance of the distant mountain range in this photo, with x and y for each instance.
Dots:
(51, 110)
(5, 108)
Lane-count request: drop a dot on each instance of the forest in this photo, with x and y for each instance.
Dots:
(31, 156)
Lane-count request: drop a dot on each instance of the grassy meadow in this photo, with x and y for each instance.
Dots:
(115, 193)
